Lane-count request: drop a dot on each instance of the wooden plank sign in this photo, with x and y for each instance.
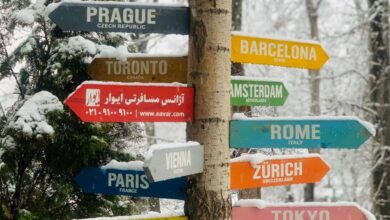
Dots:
(96, 101)
(262, 171)
(129, 183)
(247, 91)
(140, 69)
(174, 160)
(268, 51)
(300, 132)
(121, 17)
(302, 211)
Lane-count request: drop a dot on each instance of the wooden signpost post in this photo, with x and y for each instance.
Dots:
(121, 17)
(129, 183)
(309, 132)
(146, 69)
(115, 102)
(174, 160)
(302, 211)
(276, 170)
(256, 92)
(268, 51)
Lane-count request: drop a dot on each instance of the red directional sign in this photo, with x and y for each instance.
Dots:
(302, 211)
(131, 102)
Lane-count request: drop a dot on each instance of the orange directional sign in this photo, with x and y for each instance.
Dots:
(276, 170)
(268, 51)
(140, 69)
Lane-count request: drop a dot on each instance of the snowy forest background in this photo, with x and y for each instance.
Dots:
(37, 166)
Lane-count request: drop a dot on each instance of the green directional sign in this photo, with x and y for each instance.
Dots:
(253, 92)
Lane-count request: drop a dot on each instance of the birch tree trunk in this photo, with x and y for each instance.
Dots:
(208, 194)
(380, 97)
(312, 10)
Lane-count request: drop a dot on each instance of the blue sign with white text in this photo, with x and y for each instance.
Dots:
(129, 183)
(313, 132)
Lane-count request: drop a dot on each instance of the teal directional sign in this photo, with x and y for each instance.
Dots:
(308, 132)
(121, 17)
(129, 183)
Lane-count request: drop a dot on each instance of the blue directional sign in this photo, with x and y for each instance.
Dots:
(121, 17)
(129, 183)
(309, 132)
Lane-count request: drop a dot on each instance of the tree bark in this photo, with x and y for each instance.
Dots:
(208, 194)
(380, 96)
(314, 85)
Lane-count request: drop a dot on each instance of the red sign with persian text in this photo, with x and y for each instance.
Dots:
(120, 102)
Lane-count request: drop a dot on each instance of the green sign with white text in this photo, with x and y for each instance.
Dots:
(253, 92)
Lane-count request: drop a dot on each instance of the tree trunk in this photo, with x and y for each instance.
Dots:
(380, 97)
(208, 194)
(314, 85)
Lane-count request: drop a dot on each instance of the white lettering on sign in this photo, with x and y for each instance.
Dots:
(288, 131)
(137, 67)
(178, 159)
(301, 215)
(266, 170)
(278, 50)
(240, 90)
(128, 180)
(126, 16)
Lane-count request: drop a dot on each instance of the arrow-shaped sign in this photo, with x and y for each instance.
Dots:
(247, 91)
(96, 101)
(121, 17)
(258, 170)
(299, 211)
(140, 69)
(304, 132)
(269, 51)
(170, 161)
(129, 183)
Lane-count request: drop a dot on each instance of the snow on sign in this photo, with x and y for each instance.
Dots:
(255, 170)
(117, 102)
(254, 92)
(268, 51)
(121, 17)
(174, 160)
(129, 183)
(305, 132)
(140, 69)
(299, 211)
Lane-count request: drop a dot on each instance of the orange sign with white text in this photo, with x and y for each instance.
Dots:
(268, 51)
(277, 171)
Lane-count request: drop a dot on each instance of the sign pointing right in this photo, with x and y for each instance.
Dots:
(299, 132)
(269, 51)
(258, 170)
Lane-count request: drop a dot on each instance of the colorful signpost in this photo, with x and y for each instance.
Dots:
(306, 132)
(121, 17)
(129, 183)
(256, 92)
(261, 171)
(140, 69)
(116, 102)
(174, 160)
(303, 211)
(269, 51)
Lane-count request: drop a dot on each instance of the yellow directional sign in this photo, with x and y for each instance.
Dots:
(268, 51)
(140, 69)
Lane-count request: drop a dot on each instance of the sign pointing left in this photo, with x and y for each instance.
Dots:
(129, 183)
(121, 17)
(118, 102)
(174, 160)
